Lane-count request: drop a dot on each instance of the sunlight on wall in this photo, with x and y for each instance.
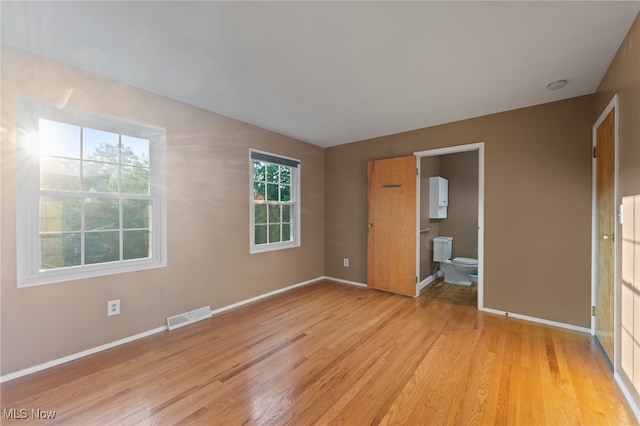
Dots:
(630, 296)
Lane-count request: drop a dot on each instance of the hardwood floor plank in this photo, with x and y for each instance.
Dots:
(329, 353)
(476, 390)
(494, 404)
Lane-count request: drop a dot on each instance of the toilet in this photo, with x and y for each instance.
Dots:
(456, 271)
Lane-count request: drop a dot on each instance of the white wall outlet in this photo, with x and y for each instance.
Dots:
(346, 262)
(113, 307)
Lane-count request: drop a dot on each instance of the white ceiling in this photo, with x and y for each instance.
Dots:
(334, 72)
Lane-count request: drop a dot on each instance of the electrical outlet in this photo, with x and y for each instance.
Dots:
(113, 307)
(346, 262)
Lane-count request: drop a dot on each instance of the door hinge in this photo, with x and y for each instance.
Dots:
(416, 280)
(594, 152)
(593, 311)
(417, 172)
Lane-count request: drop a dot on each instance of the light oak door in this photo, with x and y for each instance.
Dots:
(391, 224)
(605, 232)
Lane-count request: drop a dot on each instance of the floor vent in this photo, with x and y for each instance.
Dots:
(188, 317)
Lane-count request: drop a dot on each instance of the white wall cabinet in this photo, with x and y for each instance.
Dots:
(438, 197)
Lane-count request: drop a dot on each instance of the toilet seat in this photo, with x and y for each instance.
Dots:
(465, 261)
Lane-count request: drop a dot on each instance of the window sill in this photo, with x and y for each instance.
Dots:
(78, 273)
(273, 247)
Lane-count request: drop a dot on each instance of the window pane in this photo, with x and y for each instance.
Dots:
(100, 177)
(272, 192)
(285, 193)
(135, 244)
(59, 250)
(261, 213)
(59, 174)
(100, 146)
(60, 214)
(285, 175)
(274, 233)
(272, 173)
(258, 191)
(261, 234)
(135, 180)
(101, 213)
(79, 211)
(274, 214)
(135, 151)
(273, 218)
(136, 213)
(258, 171)
(101, 247)
(59, 139)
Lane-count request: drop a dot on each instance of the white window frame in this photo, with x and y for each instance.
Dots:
(295, 199)
(29, 112)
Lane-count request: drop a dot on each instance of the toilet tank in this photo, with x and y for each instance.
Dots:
(442, 248)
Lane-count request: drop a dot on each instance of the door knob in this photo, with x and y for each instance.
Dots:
(607, 237)
(370, 225)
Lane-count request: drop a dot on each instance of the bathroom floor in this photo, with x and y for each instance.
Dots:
(451, 293)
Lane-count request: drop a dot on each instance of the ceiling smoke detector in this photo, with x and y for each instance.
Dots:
(556, 85)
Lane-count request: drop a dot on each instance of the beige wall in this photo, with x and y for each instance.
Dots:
(537, 205)
(461, 170)
(623, 78)
(208, 221)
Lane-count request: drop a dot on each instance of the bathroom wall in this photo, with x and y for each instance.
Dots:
(429, 166)
(461, 169)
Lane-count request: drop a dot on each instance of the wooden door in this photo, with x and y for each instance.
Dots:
(391, 240)
(605, 231)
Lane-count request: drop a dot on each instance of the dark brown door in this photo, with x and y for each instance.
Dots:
(391, 242)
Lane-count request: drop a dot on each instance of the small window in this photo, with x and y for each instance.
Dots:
(275, 202)
(90, 196)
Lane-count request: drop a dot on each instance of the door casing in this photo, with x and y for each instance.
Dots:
(478, 146)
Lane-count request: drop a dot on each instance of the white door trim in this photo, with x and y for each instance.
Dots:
(478, 146)
(614, 103)
(419, 284)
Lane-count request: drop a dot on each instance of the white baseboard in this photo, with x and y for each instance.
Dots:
(53, 363)
(538, 320)
(421, 285)
(265, 295)
(345, 281)
(426, 282)
(632, 403)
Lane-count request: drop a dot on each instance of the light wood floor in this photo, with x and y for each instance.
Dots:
(329, 353)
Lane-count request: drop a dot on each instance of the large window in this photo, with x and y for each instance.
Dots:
(275, 205)
(90, 195)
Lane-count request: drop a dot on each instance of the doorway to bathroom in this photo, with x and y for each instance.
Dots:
(462, 167)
